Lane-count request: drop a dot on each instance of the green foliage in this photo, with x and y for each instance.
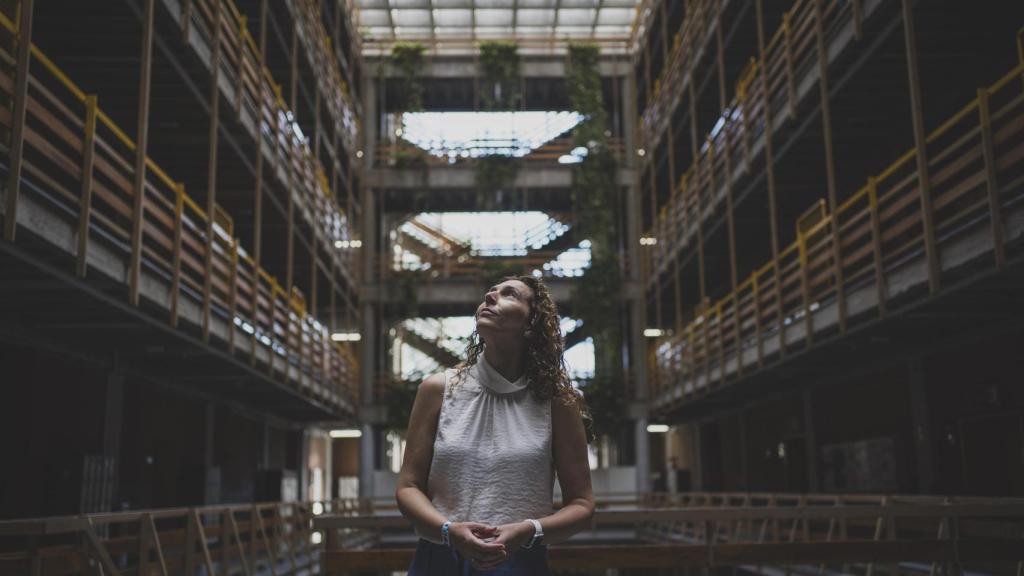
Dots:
(492, 175)
(595, 198)
(499, 88)
(407, 57)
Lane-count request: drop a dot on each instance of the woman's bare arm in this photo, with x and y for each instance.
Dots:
(411, 488)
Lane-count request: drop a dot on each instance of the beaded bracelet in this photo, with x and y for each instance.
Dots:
(444, 533)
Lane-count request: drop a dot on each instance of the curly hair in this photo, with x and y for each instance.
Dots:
(546, 376)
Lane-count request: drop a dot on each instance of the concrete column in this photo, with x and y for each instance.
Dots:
(211, 490)
(368, 310)
(810, 440)
(634, 294)
(920, 419)
(112, 423)
(304, 439)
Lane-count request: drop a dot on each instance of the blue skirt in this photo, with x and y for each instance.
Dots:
(437, 560)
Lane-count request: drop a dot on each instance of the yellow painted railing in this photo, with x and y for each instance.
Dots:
(258, 93)
(84, 164)
(975, 170)
(789, 55)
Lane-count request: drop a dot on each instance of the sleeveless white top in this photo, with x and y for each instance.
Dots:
(492, 458)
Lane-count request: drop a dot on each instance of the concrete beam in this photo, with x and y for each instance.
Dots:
(457, 177)
(530, 67)
(461, 291)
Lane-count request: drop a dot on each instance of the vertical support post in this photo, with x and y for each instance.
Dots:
(787, 38)
(876, 245)
(186, 19)
(921, 420)
(293, 94)
(696, 188)
(805, 291)
(144, 538)
(234, 294)
(260, 88)
(179, 207)
(920, 147)
(830, 169)
(20, 97)
(190, 541)
(243, 31)
(994, 205)
(141, 145)
(810, 440)
(756, 288)
(85, 201)
(211, 174)
(722, 103)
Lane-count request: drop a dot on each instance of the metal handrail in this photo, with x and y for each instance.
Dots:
(878, 227)
(174, 234)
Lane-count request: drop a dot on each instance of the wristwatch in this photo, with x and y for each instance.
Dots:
(538, 533)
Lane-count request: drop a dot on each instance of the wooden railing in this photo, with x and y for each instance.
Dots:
(82, 163)
(666, 91)
(323, 59)
(975, 169)
(790, 56)
(259, 95)
(714, 529)
(275, 538)
(243, 54)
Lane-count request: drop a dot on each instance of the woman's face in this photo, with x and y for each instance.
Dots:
(505, 309)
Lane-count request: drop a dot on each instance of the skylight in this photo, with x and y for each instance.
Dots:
(542, 26)
(473, 134)
(490, 233)
(452, 333)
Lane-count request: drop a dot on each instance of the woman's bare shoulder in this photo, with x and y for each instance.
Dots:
(433, 385)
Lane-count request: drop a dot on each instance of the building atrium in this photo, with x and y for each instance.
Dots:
(784, 240)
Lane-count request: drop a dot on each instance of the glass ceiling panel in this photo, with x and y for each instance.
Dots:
(454, 25)
(489, 233)
(475, 134)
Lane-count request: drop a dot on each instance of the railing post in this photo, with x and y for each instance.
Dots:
(243, 31)
(234, 295)
(141, 147)
(788, 45)
(920, 148)
(830, 171)
(876, 245)
(85, 201)
(757, 319)
(992, 183)
(20, 97)
(179, 207)
(211, 170)
(144, 537)
(801, 239)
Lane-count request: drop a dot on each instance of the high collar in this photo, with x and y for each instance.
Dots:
(494, 381)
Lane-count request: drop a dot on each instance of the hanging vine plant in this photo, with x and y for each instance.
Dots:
(596, 297)
(499, 91)
(499, 64)
(407, 58)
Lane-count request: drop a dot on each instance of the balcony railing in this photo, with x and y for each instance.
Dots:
(257, 95)
(734, 144)
(854, 261)
(856, 532)
(82, 163)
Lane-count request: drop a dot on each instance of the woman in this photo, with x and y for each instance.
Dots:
(485, 439)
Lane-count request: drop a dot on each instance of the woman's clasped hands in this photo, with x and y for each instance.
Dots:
(487, 547)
